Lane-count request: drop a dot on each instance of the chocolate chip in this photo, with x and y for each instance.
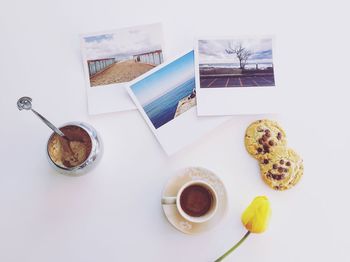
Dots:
(279, 136)
(271, 143)
(268, 134)
(277, 177)
(288, 163)
(266, 148)
(281, 161)
(280, 169)
(264, 138)
(285, 170)
(260, 141)
(275, 166)
(259, 149)
(266, 161)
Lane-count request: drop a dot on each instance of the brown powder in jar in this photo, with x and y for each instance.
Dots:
(72, 150)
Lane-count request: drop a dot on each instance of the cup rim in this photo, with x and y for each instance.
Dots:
(191, 218)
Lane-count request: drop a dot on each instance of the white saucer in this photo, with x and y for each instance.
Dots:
(174, 184)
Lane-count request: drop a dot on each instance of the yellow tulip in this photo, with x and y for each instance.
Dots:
(257, 215)
(255, 219)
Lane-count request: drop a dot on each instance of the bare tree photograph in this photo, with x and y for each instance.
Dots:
(235, 63)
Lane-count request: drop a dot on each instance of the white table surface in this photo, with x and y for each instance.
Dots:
(114, 212)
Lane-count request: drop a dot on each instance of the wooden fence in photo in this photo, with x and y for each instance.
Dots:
(152, 58)
(98, 65)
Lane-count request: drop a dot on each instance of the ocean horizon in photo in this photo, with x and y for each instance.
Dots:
(235, 65)
(162, 110)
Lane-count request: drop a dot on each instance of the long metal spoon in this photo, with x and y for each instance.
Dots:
(26, 104)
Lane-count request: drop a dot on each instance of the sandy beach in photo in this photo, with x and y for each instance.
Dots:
(124, 71)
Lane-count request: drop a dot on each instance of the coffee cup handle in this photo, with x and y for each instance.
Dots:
(169, 201)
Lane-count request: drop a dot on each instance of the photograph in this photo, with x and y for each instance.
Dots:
(169, 92)
(230, 63)
(235, 75)
(111, 59)
(166, 98)
(123, 55)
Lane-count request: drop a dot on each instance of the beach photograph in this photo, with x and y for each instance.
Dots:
(229, 63)
(168, 92)
(122, 55)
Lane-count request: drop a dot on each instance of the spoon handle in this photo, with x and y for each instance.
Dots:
(48, 123)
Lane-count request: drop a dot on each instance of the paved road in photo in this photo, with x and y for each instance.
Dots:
(237, 81)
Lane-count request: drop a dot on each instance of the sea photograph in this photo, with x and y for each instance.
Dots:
(235, 63)
(122, 55)
(168, 92)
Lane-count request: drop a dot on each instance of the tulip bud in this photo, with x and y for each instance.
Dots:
(257, 215)
(255, 219)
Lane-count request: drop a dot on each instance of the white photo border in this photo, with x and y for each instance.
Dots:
(112, 97)
(183, 129)
(238, 100)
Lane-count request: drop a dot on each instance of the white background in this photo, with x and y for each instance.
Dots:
(114, 213)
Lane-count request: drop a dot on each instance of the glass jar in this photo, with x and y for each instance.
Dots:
(92, 159)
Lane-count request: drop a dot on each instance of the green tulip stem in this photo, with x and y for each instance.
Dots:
(234, 247)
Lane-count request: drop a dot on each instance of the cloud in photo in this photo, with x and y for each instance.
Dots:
(123, 43)
(213, 51)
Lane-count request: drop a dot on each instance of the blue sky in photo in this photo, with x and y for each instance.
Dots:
(98, 38)
(214, 51)
(165, 79)
(264, 54)
(123, 43)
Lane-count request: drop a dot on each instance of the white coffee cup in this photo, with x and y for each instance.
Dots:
(175, 200)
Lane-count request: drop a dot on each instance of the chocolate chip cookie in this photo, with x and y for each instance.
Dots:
(263, 137)
(282, 168)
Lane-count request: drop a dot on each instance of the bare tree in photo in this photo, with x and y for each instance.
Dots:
(241, 52)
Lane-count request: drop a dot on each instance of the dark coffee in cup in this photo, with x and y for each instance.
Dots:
(196, 200)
